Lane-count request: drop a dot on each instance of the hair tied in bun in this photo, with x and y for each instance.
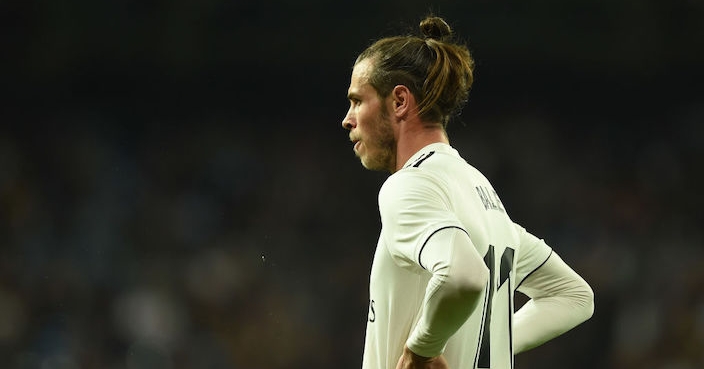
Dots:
(435, 28)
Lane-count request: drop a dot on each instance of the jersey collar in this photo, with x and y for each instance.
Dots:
(435, 147)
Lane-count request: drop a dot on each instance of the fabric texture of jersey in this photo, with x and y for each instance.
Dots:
(437, 189)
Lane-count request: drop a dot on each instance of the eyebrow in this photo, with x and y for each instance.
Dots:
(353, 95)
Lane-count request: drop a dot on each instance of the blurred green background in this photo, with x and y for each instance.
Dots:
(176, 190)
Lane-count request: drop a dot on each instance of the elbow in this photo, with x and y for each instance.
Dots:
(464, 285)
(473, 283)
(588, 298)
(583, 298)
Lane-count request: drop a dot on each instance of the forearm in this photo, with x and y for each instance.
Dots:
(453, 292)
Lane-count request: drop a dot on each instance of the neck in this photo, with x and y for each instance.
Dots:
(412, 138)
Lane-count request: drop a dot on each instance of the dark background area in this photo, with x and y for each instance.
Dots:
(176, 190)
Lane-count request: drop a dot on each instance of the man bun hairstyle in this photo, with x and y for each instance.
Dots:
(435, 28)
(436, 69)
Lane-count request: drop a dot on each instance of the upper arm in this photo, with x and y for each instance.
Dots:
(555, 277)
(450, 254)
(544, 273)
(413, 207)
(532, 253)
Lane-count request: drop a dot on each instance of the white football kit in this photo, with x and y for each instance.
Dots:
(439, 215)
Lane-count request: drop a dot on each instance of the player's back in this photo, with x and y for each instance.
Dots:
(484, 341)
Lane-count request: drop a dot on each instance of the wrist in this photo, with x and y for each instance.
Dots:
(416, 357)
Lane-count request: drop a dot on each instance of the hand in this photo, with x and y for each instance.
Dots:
(409, 360)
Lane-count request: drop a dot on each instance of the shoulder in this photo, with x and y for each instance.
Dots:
(410, 182)
(429, 175)
(411, 191)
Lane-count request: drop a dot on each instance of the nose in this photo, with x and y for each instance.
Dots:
(347, 122)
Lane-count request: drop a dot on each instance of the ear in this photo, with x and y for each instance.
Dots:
(402, 100)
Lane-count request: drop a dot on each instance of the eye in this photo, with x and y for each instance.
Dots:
(354, 99)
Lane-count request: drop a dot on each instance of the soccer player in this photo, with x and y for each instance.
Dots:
(449, 258)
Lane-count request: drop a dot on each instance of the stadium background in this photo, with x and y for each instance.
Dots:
(176, 190)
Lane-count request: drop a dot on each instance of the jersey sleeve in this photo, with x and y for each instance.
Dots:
(532, 253)
(560, 299)
(460, 279)
(413, 206)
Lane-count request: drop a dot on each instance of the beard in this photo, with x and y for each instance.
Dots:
(380, 146)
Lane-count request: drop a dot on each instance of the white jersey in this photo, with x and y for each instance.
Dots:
(437, 189)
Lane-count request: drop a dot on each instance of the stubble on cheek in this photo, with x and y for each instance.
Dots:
(380, 153)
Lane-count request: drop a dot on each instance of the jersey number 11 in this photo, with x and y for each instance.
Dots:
(505, 268)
